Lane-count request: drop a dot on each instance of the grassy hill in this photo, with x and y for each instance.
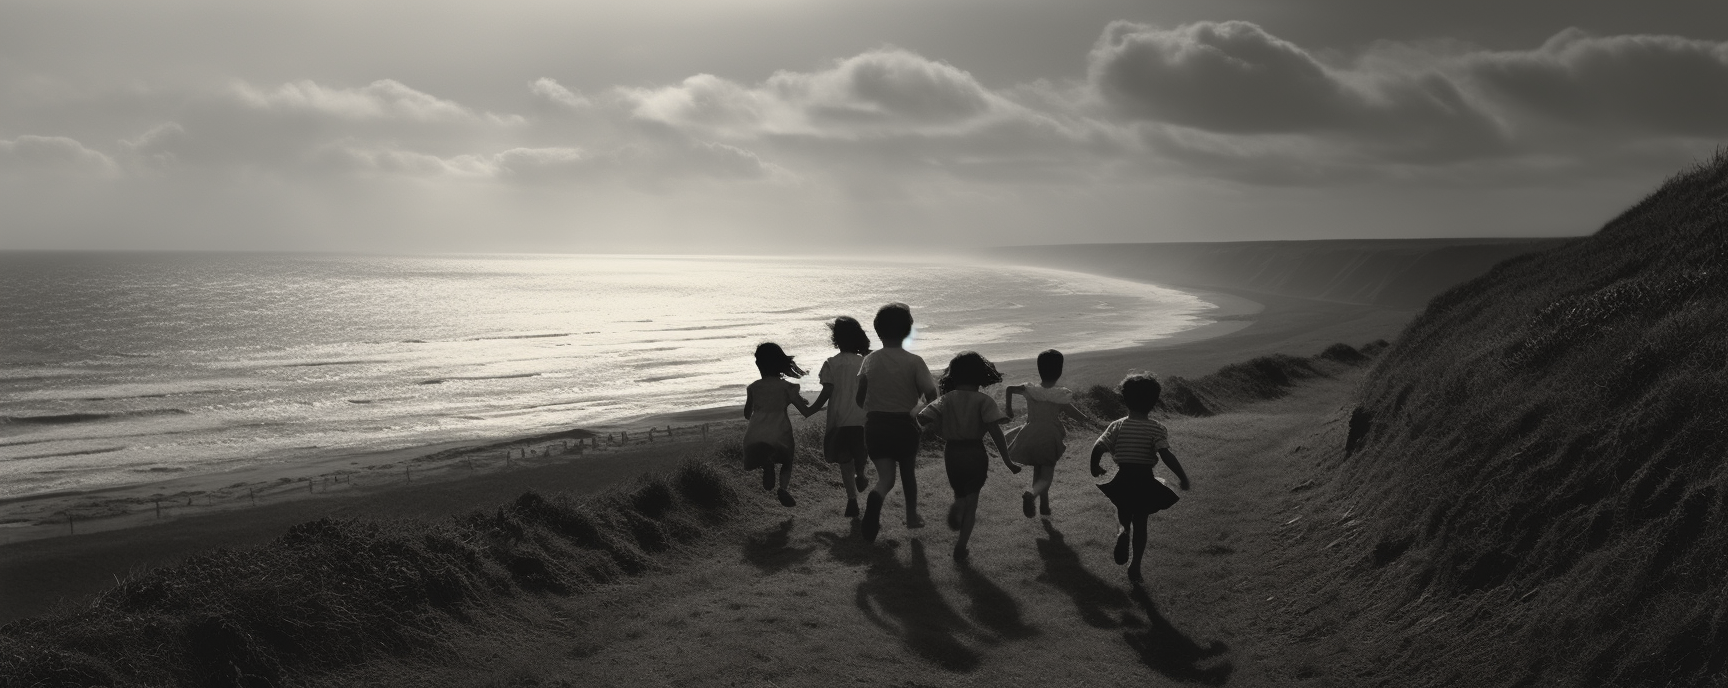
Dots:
(1540, 464)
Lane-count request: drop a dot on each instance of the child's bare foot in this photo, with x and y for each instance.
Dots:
(852, 508)
(786, 498)
(914, 521)
(961, 554)
(1044, 504)
(1026, 499)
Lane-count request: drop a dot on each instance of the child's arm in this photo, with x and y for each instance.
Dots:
(1175, 466)
(1077, 414)
(1097, 459)
(749, 402)
(1002, 445)
(1008, 399)
(863, 390)
(822, 399)
(798, 401)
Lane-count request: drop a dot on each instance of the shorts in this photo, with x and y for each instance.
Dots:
(845, 444)
(891, 436)
(759, 454)
(967, 466)
(1134, 490)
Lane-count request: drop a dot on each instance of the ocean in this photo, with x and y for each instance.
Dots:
(126, 368)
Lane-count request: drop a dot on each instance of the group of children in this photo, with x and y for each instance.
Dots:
(873, 399)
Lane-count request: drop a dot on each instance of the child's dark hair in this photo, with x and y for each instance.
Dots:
(969, 368)
(1049, 364)
(893, 322)
(1140, 392)
(848, 336)
(771, 360)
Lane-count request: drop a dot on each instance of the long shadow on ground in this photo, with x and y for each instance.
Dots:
(1093, 597)
(1170, 652)
(992, 607)
(771, 550)
(901, 599)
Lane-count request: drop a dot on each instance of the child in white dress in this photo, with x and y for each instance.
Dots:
(768, 436)
(1041, 442)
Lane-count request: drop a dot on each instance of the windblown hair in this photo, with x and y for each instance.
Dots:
(1049, 364)
(771, 360)
(893, 322)
(1140, 392)
(848, 336)
(969, 368)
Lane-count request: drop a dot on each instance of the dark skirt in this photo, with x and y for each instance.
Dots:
(891, 436)
(967, 466)
(1135, 490)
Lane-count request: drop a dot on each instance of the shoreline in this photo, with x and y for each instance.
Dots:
(47, 560)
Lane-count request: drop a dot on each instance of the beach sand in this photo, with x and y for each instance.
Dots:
(44, 560)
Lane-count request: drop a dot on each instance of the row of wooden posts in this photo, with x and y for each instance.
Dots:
(621, 438)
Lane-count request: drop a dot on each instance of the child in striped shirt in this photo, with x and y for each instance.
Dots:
(1136, 443)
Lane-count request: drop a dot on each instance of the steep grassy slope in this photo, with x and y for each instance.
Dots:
(1541, 461)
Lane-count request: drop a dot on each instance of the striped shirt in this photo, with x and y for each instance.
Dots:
(1131, 441)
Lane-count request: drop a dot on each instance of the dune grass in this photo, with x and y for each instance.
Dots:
(334, 593)
(1539, 464)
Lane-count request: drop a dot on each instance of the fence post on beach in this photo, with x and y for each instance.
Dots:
(406, 476)
(704, 431)
(158, 507)
(252, 495)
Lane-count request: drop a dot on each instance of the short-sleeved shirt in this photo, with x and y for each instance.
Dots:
(1131, 441)
(898, 379)
(841, 370)
(962, 414)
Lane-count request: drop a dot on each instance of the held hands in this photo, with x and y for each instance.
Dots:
(1098, 471)
(1184, 485)
(1012, 467)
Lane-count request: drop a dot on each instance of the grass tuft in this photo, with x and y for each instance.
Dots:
(336, 592)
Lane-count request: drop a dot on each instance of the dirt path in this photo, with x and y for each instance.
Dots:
(793, 597)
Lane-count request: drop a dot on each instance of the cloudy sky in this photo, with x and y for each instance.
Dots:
(740, 126)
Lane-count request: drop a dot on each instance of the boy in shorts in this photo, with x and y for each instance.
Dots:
(891, 382)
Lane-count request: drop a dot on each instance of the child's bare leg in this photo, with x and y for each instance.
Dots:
(968, 518)
(1042, 476)
(1125, 525)
(846, 478)
(786, 475)
(1139, 526)
(909, 478)
(884, 476)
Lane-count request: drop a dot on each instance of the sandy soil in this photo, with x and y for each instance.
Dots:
(44, 558)
(793, 597)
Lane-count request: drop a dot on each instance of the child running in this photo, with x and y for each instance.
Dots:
(891, 380)
(843, 443)
(1136, 443)
(962, 416)
(768, 437)
(1040, 443)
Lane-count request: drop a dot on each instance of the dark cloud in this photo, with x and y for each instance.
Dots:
(1656, 84)
(1235, 78)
